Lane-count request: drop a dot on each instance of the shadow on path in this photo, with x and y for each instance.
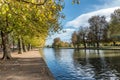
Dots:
(25, 69)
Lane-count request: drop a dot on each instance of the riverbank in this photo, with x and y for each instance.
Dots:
(26, 66)
(94, 48)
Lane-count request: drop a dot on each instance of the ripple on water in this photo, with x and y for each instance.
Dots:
(64, 65)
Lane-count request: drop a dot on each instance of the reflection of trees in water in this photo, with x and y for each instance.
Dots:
(57, 53)
(63, 55)
(99, 66)
(108, 72)
(78, 56)
(85, 63)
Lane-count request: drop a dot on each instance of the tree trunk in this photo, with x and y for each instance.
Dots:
(20, 49)
(114, 43)
(84, 42)
(97, 41)
(13, 48)
(6, 46)
(24, 47)
(1, 46)
(29, 47)
(97, 44)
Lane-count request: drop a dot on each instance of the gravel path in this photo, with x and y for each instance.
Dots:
(26, 66)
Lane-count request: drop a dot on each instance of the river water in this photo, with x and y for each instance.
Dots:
(70, 64)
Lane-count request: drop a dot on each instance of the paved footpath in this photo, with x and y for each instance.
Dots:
(26, 66)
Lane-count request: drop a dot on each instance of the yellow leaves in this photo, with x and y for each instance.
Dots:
(24, 17)
(60, 8)
(38, 41)
(49, 16)
(50, 2)
(41, 1)
(4, 8)
(9, 15)
(54, 7)
(42, 15)
(28, 6)
(0, 4)
(33, 1)
(43, 7)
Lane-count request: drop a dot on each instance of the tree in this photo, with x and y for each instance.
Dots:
(56, 42)
(82, 35)
(74, 39)
(114, 26)
(91, 38)
(98, 24)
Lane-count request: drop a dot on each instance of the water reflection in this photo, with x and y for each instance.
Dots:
(99, 64)
(69, 64)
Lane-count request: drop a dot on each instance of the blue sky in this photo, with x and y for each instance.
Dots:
(72, 11)
(78, 15)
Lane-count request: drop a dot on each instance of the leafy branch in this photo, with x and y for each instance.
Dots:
(38, 4)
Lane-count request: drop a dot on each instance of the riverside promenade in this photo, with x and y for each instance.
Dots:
(27, 66)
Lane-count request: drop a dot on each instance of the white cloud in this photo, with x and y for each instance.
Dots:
(82, 20)
(105, 9)
(108, 4)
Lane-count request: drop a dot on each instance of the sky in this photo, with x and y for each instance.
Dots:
(78, 14)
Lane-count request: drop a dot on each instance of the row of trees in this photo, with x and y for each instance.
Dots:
(99, 31)
(28, 22)
(58, 43)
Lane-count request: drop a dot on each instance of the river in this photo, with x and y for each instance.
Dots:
(70, 64)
